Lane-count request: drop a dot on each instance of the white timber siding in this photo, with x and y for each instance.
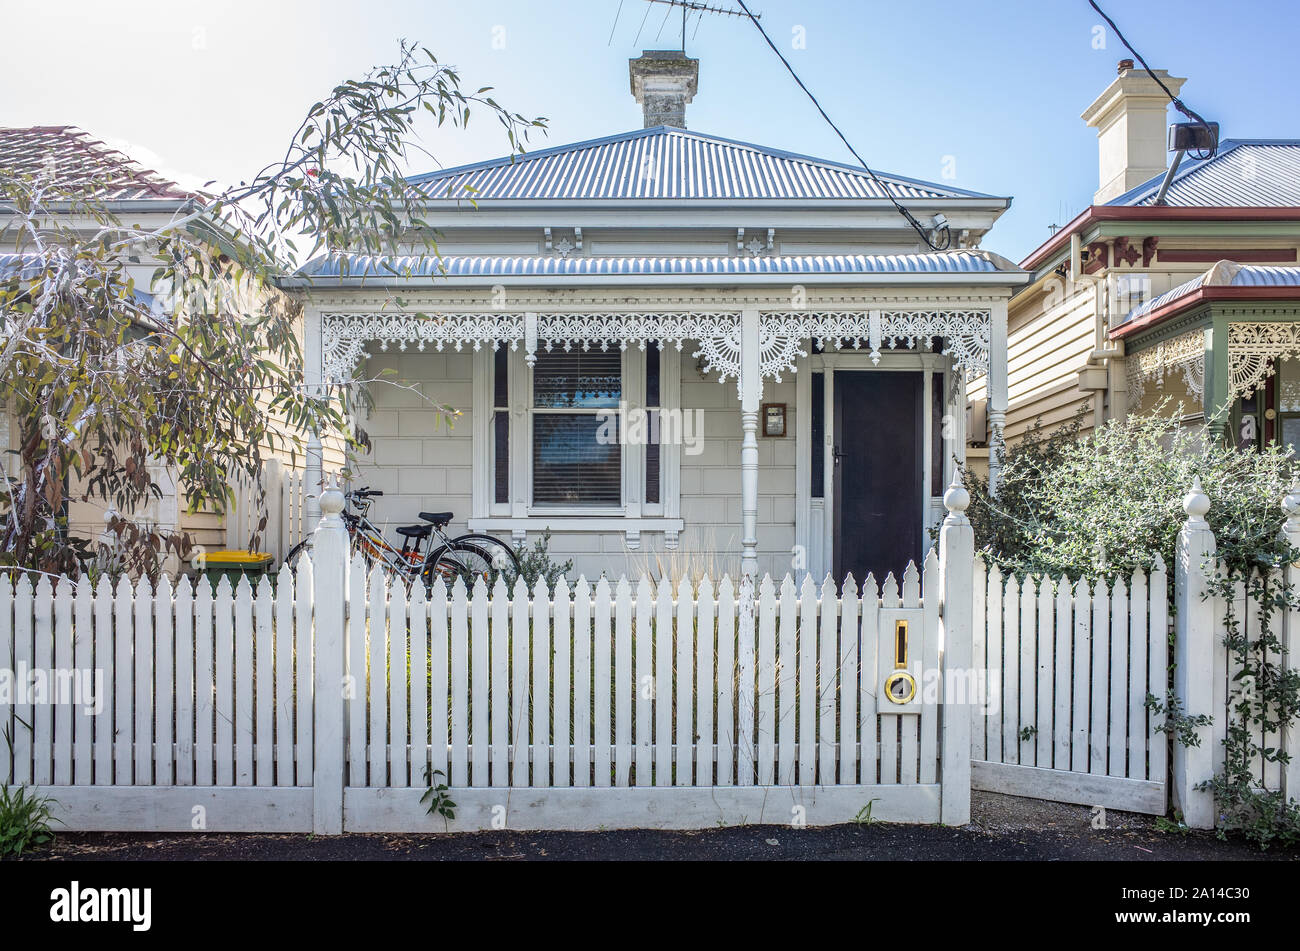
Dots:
(1046, 349)
(711, 481)
(419, 462)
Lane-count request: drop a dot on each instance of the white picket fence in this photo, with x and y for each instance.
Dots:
(146, 707)
(323, 701)
(284, 509)
(1072, 666)
(638, 690)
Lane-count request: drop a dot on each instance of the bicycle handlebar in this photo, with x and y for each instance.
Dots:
(365, 493)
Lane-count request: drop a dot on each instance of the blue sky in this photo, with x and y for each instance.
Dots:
(212, 90)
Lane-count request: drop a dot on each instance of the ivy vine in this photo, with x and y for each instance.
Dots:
(1263, 700)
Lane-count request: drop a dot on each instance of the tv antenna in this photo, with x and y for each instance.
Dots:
(691, 6)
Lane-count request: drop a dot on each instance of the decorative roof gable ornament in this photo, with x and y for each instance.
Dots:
(755, 245)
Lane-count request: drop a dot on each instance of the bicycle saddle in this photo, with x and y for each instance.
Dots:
(437, 518)
(414, 531)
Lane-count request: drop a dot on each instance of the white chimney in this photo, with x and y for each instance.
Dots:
(663, 82)
(1131, 122)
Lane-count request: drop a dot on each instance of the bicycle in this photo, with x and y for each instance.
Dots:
(468, 557)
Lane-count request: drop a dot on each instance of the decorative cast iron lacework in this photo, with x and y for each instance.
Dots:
(344, 336)
(1183, 354)
(966, 334)
(1252, 348)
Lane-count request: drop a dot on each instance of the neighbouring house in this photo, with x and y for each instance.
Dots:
(673, 351)
(76, 163)
(1178, 286)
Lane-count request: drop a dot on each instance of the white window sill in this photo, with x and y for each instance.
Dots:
(631, 527)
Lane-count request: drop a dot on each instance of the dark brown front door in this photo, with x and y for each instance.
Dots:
(877, 472)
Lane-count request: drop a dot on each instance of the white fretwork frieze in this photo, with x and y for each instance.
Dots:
(1252, 348)
(1184, 354)
(345, 336)
(966, 334)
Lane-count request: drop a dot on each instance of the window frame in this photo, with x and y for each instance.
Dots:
(520, 514)
(529, 417)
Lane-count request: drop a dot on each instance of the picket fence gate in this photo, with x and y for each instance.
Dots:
(325, 701)
(1070, 667)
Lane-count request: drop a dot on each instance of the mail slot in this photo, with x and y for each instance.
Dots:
(900, 685)
(900, 655)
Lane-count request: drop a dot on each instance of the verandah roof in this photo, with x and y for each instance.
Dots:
(339, 267)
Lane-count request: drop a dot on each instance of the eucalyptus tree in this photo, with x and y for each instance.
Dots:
(113, 394)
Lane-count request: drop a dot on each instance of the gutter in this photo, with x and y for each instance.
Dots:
(1203, 295)
(469, 202)
(159, 206)
(1098, 213)
(383, 282)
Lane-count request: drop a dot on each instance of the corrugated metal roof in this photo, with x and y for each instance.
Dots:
(1252, 173)
(1266, 275)
(1223, 274)
(453, 266)
(664, 163)
(26, 265)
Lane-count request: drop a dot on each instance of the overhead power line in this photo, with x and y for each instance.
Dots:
(942, 229)
(1178, 103)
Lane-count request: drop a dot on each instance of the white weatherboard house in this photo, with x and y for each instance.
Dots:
(802, 349)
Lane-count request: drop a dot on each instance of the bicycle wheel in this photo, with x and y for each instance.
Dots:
(457, 560)
(296, 553)
(501, 555)
(304, 547)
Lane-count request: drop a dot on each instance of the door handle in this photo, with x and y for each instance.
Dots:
(837, 454)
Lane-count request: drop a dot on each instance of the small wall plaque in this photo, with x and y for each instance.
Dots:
(773, 419)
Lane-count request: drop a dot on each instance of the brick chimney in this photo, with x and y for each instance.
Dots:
(1131, 119)
(663, 82)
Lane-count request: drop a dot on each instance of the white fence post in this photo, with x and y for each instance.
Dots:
(1291, 640)
(329, 580)
(1194, 647)
(956, 574)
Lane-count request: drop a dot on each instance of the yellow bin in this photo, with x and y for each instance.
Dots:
(237, 564)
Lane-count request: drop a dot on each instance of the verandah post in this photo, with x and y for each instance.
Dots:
(959, 684)
(314, 379)
(751, 392)
(329, 576)
(998, 392)
(1194, 646)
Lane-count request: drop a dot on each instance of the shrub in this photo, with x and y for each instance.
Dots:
(1108, 502)
(536, 562)
(24, 820)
